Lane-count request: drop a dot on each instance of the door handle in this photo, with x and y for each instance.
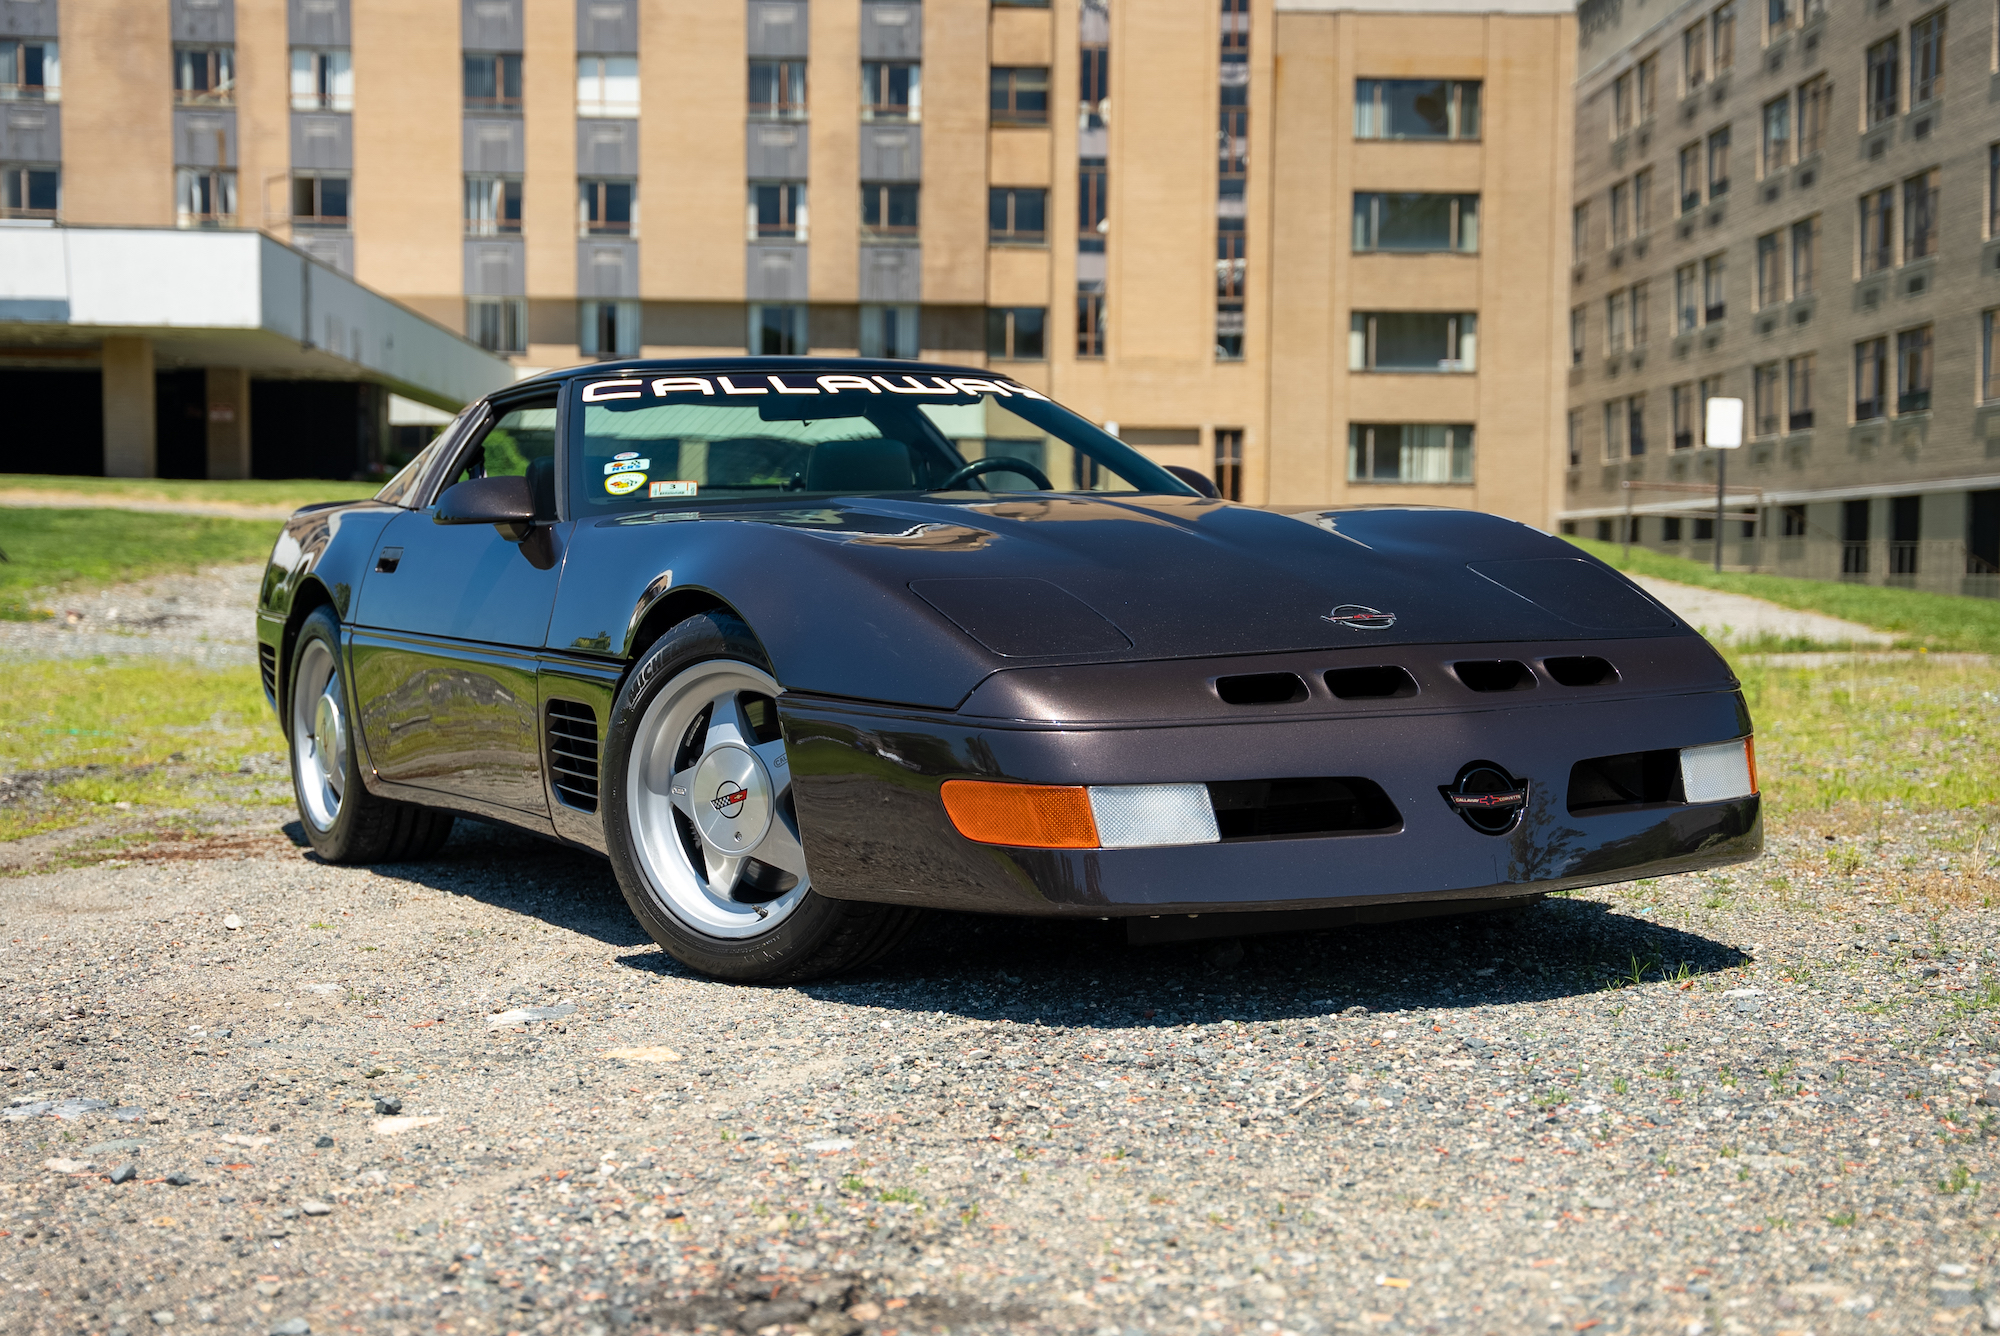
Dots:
(389, 559)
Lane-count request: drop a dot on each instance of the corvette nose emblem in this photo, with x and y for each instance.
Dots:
(1361, 618)
(1490, 799)
(729, 798)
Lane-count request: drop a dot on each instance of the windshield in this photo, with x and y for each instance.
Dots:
(661, 441)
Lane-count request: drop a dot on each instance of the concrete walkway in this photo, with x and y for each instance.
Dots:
(1735, 619)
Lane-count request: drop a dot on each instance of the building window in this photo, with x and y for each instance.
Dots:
(1854, 537)
(1690, 177)
(1764, 391)
(1228, 471)
(492, 205)
(1649, 83)
(1409, 452)
(1989, 356)
(1815, 112)
(606, 86)
(1231, 266)
(1019, 95)
(204, 197)
(1682, 401)
(497, 324)
(608, 329)
(492, 81)
(1670, 529)
(1093, 80)
(1871, 371)
(888, 211)
(323, 79)
(1093, 182)
(1430, 341)
(1642, 201)
(1779, 15)
(1614, 324)
(1015, 333)
(1799, 392)
(1878, 230)
(1407, 222)
(1621, 212)
(777, 90)
(889, 331)
(1805, 256)
(1635, 426)
(1575, 439)
(1913, 370)
(1416, 109)
(1718, 163)
(778, 211)
(1614, 430)
(1777, 135)
(1920, 216)
(1792, 521)
(1016, 216)
(1576, 336)
(1641, 295)
(1882, 96)
(1687, 300)
(1621, 104)
(34, 192)
(1579, 232)
(607, 208)
(1694, 57)
(1993, 190)
(319, 202)
(1713, 294)
(891, 92)
(203, 75)
(30, 71)
(1090, 312)
(1927, 58)
(1722, 26)
(777, 331)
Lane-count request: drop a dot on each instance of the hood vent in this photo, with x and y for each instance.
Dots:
(1261, 689)
(1581, 670)
(573, 753)
(1387, 682)
(1494, 674)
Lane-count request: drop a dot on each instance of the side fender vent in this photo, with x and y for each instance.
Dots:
(573, 753)
(267, 668)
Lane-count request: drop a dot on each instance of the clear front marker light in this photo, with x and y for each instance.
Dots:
(1720, 772)
(1145, 816)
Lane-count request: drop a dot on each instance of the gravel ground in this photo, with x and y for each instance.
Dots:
(206, 618)
(249, 1089)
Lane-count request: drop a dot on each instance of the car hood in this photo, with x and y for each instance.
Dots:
(1109, 578)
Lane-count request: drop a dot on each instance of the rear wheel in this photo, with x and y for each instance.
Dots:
(700, 824)
(343, 821)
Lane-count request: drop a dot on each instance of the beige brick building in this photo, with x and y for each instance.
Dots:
(1795, 203)
(1316, 249)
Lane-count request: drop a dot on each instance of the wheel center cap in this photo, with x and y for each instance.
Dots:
(326, 728)
(732, 800)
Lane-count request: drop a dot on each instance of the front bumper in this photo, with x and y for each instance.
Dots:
(866, 782)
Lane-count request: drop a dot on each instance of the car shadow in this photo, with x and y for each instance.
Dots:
(1076, 972)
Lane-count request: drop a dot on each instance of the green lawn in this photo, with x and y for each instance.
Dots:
(1935, 621)
(75, 548)
(290, 494)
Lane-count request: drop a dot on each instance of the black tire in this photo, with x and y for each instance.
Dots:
(820, 936)
(361, 827)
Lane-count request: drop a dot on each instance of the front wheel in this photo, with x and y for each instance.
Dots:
(343, 821)
(700, 823)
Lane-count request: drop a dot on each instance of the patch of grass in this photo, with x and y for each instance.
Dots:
(290, 493)
(1938, 621)
(1917, 734)
(66, 549)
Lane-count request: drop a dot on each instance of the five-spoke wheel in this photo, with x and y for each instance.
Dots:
(319, 734)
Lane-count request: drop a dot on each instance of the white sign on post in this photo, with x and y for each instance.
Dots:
(1724, 425)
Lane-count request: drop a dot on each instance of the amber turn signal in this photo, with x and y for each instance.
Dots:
(1028, 816)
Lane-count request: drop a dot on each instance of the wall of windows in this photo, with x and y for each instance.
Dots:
(1381, 452)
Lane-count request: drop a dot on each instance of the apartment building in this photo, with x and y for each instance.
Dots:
(1347, 285)
(1795, 203)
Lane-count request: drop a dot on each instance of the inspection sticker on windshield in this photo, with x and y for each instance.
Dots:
(660, 489)
(620, 483)
(628, 464)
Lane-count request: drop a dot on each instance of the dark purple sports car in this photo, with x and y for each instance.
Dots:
(805, 646)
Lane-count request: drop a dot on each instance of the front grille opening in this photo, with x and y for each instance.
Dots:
(267, 668)
(1634, 779)
(1581, 670)
(1261, 689)
(1384, 683)
(1273, 809)
(573, 753)
(1494, 674)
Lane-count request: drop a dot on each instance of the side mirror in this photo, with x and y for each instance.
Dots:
(508, 504)
(1194, 478)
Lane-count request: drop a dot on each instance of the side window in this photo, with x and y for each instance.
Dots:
(521, 443)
